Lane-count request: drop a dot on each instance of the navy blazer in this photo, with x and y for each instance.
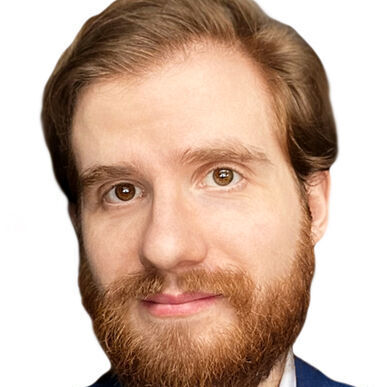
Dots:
(307, 376)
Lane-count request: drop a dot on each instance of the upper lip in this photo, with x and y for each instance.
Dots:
(182, 298)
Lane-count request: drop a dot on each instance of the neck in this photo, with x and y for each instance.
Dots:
(275, 376)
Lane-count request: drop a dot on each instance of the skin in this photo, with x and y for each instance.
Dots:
(211, 100)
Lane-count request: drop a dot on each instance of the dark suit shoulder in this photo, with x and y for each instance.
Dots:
(308, 376)
(106, 380)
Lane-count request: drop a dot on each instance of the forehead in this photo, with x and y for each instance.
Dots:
(209, 96)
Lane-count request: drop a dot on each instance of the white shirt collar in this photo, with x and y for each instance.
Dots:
(289, 375)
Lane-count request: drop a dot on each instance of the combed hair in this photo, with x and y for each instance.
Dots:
(133, 37)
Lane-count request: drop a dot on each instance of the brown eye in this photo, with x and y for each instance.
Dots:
(223, 176)
(123, 192)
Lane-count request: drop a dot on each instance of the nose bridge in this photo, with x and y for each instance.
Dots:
(172, 237)
(166, 214)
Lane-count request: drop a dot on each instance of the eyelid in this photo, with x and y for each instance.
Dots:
(224, 165)
(111, 187)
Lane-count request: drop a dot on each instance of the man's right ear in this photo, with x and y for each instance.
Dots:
(74, 217)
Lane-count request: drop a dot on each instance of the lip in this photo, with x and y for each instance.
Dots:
(168, 305)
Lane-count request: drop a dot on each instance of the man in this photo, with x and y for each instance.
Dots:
(193, 140)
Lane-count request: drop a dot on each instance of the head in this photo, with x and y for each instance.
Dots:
(193, 141)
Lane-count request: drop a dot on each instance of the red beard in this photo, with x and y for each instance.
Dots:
(268, 320)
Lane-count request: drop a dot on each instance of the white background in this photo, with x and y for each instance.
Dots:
(46, 338)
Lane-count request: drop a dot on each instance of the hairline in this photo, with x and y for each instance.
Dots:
(172, 57)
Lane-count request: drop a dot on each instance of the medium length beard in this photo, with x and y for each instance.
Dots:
(268, 320)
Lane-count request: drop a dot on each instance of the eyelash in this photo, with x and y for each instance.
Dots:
(122, 202)
(202, 185)
(225, 166)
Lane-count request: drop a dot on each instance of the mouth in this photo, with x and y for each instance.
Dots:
(185, 304)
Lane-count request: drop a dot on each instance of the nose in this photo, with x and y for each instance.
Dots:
(172, 239)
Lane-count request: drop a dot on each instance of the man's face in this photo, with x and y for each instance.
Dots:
(193, 231)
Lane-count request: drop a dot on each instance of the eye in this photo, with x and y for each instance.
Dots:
(221, 177)
(123, 192)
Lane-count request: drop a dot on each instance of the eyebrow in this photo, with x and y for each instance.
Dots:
(232, 151)
(96, 174)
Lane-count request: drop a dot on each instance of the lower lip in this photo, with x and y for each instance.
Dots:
(178, 310)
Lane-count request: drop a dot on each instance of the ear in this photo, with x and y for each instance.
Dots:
(318, 199)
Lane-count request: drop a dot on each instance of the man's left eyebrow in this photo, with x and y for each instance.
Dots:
(235, 152)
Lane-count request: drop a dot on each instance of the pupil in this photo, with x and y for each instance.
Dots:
(223, 176)
(125, 192)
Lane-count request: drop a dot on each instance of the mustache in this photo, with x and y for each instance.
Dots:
(235, 285)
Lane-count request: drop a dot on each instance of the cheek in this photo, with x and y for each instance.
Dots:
(110, 247)
(260, 238)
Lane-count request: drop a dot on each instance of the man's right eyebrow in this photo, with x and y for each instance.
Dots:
(101, 173)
